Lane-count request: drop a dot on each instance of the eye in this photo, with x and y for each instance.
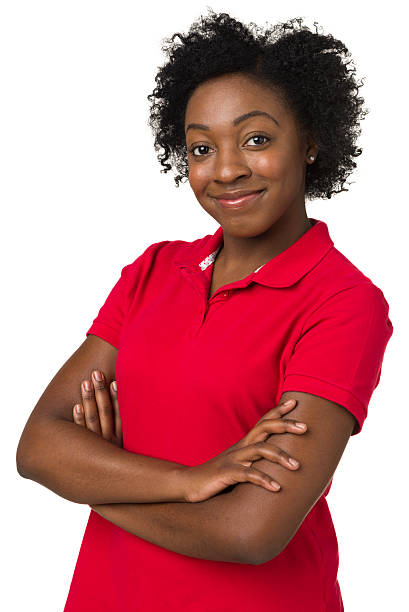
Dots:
(259, 136)
(192, 148)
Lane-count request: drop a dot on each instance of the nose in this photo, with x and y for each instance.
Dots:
(230, 164)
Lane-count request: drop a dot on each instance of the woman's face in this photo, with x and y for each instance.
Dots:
(228, 154)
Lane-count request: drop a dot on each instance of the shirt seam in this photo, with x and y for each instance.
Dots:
(327, 299)
(328, 383)
(97, 321)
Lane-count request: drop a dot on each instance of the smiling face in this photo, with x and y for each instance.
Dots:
(229, 151)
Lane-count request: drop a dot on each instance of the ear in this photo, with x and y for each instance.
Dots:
(311, 147)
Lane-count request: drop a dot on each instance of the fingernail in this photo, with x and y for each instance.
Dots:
(97, 375)
(77, 408)
(114, 386)
(300, 425)
(293, 462)
(86, 385)
(288, 402)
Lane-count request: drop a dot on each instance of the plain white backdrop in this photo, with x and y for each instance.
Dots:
(82, 196)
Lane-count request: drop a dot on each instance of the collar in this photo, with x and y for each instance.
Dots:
(283, 270)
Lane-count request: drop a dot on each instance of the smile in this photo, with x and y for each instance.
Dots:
(239, 202)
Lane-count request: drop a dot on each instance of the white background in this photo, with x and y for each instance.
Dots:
(82, 195)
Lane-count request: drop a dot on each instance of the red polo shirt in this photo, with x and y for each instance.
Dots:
(207, 370)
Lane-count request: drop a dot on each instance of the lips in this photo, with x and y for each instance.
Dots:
(240, 199)
(234, 195)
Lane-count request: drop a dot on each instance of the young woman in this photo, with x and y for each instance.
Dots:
(208, 339)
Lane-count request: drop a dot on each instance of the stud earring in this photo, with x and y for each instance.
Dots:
(312, 157)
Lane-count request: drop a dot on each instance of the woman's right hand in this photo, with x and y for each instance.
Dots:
(234, 464)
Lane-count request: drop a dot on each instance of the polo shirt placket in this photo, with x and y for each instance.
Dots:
(282, 271)
(200, 275)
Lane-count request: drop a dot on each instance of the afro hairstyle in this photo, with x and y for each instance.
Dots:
(313, 73)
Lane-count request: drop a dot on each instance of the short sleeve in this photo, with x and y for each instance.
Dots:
(110, 318)
(108, 322)
(340, 351)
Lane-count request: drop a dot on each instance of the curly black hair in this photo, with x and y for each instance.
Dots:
(312, 72)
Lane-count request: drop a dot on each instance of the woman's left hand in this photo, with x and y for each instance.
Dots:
(99, 410)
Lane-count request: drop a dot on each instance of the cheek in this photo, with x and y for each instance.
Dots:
(281, 167)
(270, 166)
(199, 176)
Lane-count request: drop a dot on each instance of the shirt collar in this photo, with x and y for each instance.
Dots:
(283, 270)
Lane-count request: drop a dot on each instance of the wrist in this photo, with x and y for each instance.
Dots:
(181, 482)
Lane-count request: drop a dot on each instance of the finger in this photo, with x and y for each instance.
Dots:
(264, 450)
(117, 414)
(266, 427)
(78, 415)
(282, 408)
(90, 407)
(257, 477)
(104, 404)
(275, 413)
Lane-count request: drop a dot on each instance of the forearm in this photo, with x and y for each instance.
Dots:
(204, 530)
(83, 467)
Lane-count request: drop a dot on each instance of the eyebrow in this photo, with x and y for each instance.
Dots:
(236, 121)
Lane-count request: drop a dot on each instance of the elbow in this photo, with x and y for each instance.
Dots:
(261, 556)
(24, 466)
(27, 452)
(259, 550)
(252, 551)
(21, 460)
(253, 545)
(20, 470)
(266, 551)
(33, 450)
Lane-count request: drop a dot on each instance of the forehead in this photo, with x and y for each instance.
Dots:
(221, 99)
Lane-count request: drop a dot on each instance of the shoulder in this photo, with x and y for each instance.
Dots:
(337, 281)
(160, 258)
(168, 251)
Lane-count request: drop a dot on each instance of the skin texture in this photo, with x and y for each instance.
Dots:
(249, 524)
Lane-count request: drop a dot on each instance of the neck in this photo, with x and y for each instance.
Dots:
(248, 253)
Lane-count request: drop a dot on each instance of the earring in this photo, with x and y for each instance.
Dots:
(312, 158)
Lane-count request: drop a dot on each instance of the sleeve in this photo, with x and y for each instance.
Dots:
(108, 322)
(110, 318)
(340, 351)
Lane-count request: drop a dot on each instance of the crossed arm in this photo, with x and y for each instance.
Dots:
(249, 524)
(205, 530)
